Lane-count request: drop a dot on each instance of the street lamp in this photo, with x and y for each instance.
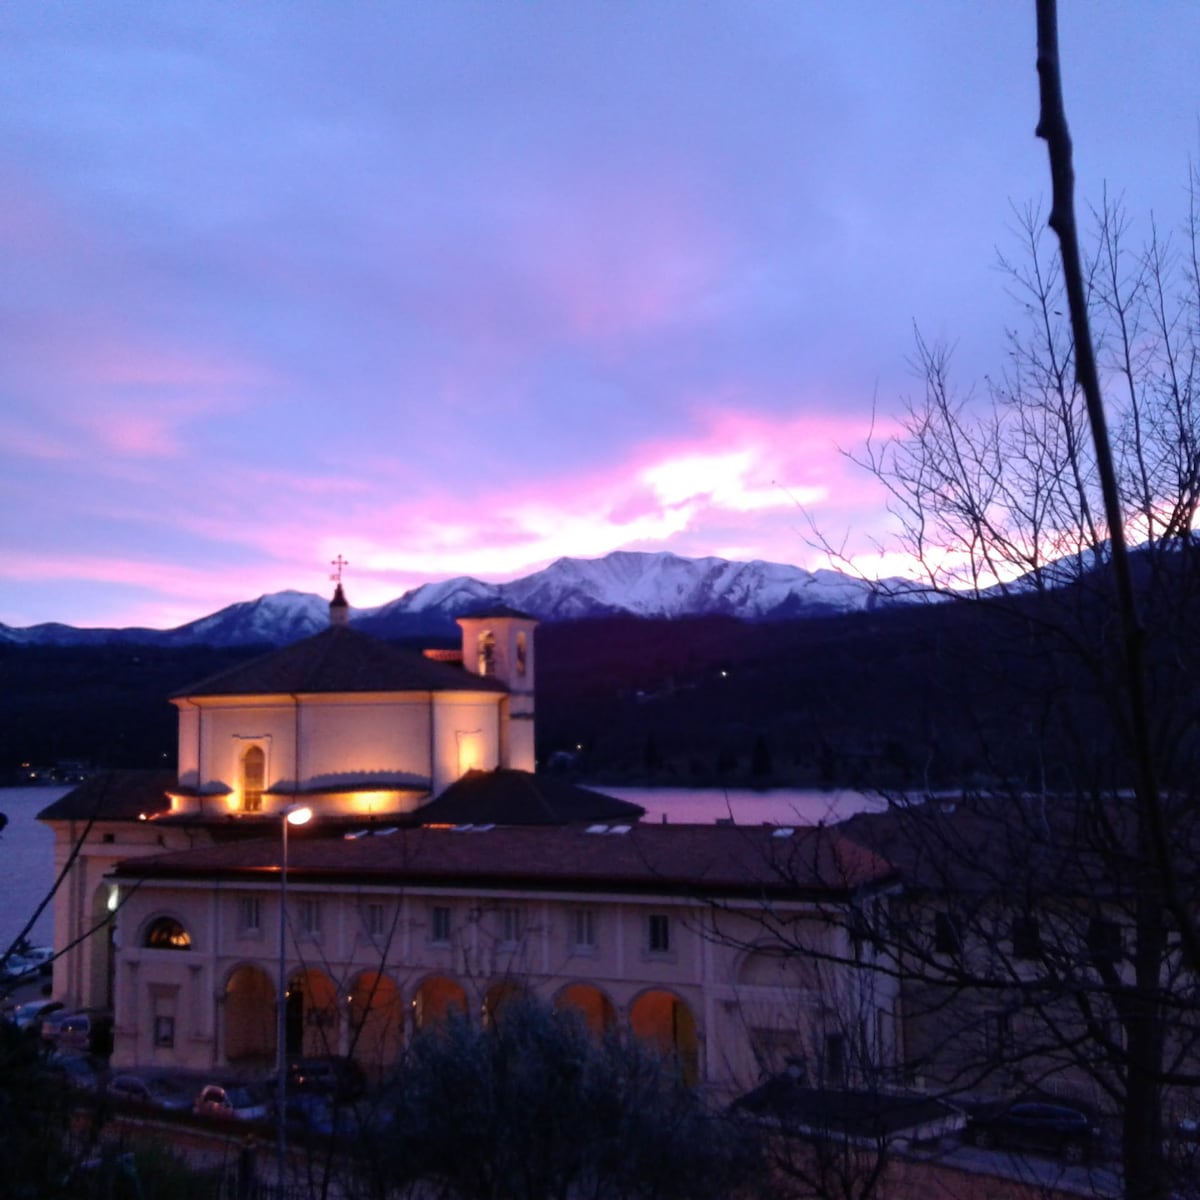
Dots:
(294, 814)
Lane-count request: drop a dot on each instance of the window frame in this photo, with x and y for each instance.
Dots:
(659, 941)
(582, 930)
(166, 932)
(510, 926)
(309, 923)
(252, 795)
(249, 916)
(439, 915)
(374, 918)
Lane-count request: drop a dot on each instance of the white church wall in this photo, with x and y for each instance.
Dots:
(347, 739)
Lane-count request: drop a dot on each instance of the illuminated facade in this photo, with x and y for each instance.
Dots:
(350, 726)
(438, 875)
(659, 929)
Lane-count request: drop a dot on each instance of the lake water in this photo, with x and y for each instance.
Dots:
(745, 806)
(26, 863)
(27, 846)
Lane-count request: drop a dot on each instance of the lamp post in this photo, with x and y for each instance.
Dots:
(294, 814)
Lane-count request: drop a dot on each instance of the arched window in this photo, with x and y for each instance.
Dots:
(521, 652)
(254, 773)
(487, 653)
(166, 933)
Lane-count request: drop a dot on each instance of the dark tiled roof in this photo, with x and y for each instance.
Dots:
(339, 659)
(520, 798)
(674, 859)
(1020, 844)
(113, 796)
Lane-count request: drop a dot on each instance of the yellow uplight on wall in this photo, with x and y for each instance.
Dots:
(470, 752)
(369, 803)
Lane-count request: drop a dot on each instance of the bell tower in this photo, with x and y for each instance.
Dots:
(497, 643)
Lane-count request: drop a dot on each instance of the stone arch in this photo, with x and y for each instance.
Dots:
(253, 771)
(250, 1015)
(312, 1019)
(663, 1021)
(437, 1001)
(165, 932)
(486, 650)
(779, 967)
(376, 1017)
(498, 997)
(781, 998)
(590, 1004)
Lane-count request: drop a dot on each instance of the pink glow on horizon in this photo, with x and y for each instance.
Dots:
(687, 493)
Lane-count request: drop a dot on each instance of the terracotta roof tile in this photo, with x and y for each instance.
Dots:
(520, 798)
(113, 796)
(339, 659)
(679, 859)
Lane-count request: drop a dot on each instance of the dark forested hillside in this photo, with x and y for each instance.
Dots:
(940, 694)
(104, 705)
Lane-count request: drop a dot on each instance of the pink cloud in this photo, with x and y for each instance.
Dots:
(731, 487)
(165, 578)
(128, 397)
(743, 472)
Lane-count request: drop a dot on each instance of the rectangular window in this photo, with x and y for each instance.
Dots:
(310, 916)
(998, 1036)
(1026, 938)
(439, 924)
(373, 920)
(164, 1031)
(658, 933)
(249, 915)
(946, 938)
(510, 925)
(583, 929)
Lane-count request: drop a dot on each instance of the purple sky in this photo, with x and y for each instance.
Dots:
(457, 288)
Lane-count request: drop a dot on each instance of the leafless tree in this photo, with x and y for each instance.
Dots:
(1059, 910)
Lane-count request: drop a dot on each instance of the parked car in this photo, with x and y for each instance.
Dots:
(87, 1029)
(16, 968)
(30, 1015)
(1051, 1128)
(150, 1092)
(234, 1101)
(41, 957)
(330, 1075)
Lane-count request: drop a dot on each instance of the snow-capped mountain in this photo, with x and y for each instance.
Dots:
(640, 584)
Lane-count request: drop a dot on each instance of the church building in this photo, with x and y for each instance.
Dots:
(434, 873)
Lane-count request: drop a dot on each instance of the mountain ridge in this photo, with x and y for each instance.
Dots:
(625, 582)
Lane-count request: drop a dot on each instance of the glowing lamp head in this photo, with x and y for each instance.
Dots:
(298, 815)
